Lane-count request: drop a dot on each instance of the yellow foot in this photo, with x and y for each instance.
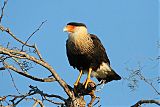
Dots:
(76, 84)
(86, 83)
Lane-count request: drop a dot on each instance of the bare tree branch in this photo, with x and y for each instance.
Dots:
(97, 102)
(14, 84)
(7, 30)
(2, 10)
(38, 53)
(34, 90)
(2, 98)
(139, 103)
(2, 68)
(149, 83)
(33, 33)
(23, 55)
(137, 74)
(37, 91)
(37, 102)
(27, 75)
(25, 43)
(54, 102)
(19, 56)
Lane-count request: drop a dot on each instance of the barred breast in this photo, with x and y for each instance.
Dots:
(81, 44)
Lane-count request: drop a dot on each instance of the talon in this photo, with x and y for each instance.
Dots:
(76, 84)
(88, 82)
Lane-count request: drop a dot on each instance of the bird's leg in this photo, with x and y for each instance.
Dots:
(88, 78)
(79, 77)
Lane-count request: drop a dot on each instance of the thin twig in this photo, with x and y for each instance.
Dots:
(7, 30)
(2, 10)
(33, 33)
(149, 83)
(138, 73)
(33, 91)
(14, 84)
(38, 91)
(97, 102)
(24, 43)
(22, 97)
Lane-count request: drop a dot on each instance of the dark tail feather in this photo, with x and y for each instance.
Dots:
(115, 75)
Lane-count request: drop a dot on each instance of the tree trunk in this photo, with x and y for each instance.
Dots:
(79, 101)
(79, 93)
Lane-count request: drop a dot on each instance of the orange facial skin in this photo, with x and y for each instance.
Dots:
(70, 28)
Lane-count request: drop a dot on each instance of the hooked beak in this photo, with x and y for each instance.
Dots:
(69, 28)
(65, 29)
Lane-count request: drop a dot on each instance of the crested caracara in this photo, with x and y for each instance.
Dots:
(86, 53)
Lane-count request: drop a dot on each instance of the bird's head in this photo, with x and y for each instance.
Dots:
(75, 28)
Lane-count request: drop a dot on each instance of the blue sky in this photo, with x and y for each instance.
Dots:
(128, 30)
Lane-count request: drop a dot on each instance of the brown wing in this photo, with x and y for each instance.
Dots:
(105, 76)
(99, 49)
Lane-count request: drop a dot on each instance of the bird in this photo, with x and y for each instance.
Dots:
(86, 53)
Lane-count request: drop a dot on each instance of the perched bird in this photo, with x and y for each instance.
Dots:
(86, 53)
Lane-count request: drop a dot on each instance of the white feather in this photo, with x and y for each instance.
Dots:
(102, 71)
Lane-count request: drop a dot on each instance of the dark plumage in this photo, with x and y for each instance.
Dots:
(86, 51)
(89, 59)
(76, 24)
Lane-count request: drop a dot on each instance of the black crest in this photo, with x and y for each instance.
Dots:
(77, 24)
